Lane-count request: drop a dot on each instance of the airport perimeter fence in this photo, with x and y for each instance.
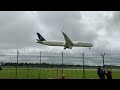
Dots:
(30, 64)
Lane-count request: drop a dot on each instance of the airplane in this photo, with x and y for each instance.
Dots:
(67, 44)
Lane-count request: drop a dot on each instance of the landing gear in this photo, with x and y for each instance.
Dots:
(89, 47)
(65, 47)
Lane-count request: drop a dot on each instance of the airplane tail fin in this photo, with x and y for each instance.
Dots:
(40, 37)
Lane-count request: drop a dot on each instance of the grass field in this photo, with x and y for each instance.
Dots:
(49, 73)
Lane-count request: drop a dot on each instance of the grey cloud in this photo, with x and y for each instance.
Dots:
(116, 18)
(69, 22)
(18, 29)
(113, 24)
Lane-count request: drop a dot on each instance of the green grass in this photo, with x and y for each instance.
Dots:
(34, 73)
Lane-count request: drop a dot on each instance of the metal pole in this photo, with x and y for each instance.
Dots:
(62, 63)
(16, 65)
(57, 72)
(83, 67)
(40, 67)
(27, 70)
(103, 60)
(111, 67)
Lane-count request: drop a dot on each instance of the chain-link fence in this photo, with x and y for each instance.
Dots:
(29, 64)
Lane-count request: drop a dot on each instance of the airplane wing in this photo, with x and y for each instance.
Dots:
(68, 41)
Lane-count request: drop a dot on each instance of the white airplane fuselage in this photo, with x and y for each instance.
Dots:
(62, 43)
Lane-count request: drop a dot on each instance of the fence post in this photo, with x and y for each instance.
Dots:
(83, 66)
(27, 70)
(16, 64)
(40, 67)
(103, 60)
(57, 72)
(62, 63)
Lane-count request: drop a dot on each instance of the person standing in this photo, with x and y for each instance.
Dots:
(109, 75)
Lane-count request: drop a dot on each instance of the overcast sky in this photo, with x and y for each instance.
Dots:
(18, 28)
